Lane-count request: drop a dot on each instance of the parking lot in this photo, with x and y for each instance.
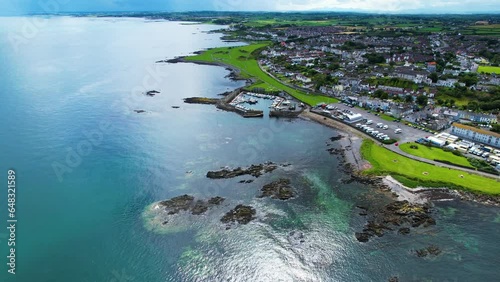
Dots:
(408, 134)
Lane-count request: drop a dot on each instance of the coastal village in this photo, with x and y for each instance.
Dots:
(443, 85)
(419, 101)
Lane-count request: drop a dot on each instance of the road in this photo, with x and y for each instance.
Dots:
(342, 126)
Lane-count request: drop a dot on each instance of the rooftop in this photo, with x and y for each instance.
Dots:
(481, 131)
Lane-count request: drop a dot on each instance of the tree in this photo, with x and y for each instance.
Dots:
(422, 100)
(379, 93)
(408, 99)
(374, 58)
(495, 128)
(473, 105)
(434, 77)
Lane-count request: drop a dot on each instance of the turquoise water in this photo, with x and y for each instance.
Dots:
(80, 77)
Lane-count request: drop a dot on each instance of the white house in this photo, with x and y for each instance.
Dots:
(476, 134)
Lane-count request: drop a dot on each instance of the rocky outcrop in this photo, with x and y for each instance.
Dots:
(240, 214)
(140, 111)
(152, 93)
(279, 189)
(253, 170)
(201, 100)
(188, 203)
(400, 214)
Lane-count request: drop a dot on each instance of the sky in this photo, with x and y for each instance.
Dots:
(20, 7)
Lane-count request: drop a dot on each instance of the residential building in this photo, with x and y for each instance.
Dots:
(475, 134)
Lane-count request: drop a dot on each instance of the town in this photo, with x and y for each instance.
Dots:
(416, 78)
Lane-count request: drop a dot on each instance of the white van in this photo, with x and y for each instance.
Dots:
(397, 131)
(369, 122)
(379, 125)
(385, 127)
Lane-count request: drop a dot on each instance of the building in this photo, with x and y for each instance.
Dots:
(432, 66)
(353, 118)
(476, 117)
(475, 134)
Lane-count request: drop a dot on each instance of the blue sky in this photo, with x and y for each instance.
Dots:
(17, 7)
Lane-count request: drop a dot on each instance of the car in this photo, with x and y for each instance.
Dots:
(369, 121)
(385, 127)
(396, 144)
(398, 131)
(387, 138)
(358, 125)
(380, 125)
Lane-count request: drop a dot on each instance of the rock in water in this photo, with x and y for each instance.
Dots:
(187, 202)
(253, 170)
(402, 214)
(279, 189)
(240, 214)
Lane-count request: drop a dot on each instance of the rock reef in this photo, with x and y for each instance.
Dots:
(279, 189)
(253, 170)
(400, 214)
(188, 203)
(240, 214)
(431, 250)
(152, 93)
(201, 100)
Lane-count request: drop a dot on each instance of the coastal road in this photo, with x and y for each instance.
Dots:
(307, 114)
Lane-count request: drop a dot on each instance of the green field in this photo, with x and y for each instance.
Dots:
(414, 173)
(433, 153)
(487, 30)
(387, 117)
(242, 58)
(488, 69)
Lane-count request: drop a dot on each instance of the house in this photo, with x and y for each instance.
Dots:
(303, 78)
(432, 66)
(476, 117)
(475, 134)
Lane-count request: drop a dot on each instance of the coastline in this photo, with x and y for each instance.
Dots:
(351, 148)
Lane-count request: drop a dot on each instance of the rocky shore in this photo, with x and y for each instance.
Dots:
(253, 170)
(400, 216)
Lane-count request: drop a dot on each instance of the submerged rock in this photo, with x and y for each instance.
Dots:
(241, 214)
(404, 231)
(279, 189)
(139, 111)
(336, 138)
(431, 250)
(253, 170)
(296, 237)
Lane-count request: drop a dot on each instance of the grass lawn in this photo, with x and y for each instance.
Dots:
(463, 101)
(241, 58)
(387, 117)
(433, 153)
(488, 69)
(414, 173)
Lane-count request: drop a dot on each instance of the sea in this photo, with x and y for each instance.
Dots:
(88, 166)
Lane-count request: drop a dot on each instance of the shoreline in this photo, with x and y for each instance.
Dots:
(353, 146)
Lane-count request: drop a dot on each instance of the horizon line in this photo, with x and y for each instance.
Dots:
(399, 13)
